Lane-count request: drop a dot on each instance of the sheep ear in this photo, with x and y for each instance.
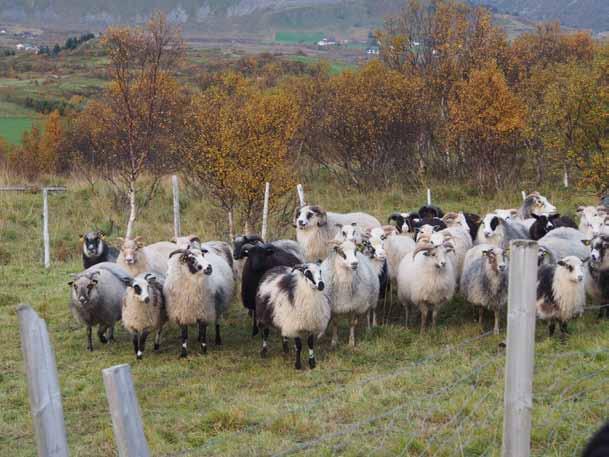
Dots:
(353, 224)
(338, 225)
(323, 219)
(535, 216)
(495, 222)
(127, 281)
(586, 260)
(486, 252)
(561, 263)
(102, 235)
(580, 210)
(586, 242)
(70, 283)
(94, 282)
(82, 237)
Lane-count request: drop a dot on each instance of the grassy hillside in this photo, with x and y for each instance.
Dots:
(396, 393)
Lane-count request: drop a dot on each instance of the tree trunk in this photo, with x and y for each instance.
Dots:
(132, 210)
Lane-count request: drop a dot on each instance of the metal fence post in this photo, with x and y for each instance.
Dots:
(176, 206)
(125, 412)
(43, 384)
(518, 394)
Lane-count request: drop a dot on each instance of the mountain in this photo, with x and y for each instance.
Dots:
(581, 14)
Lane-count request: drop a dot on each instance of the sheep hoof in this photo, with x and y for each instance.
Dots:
(264, 352)
(312, 362)
(204, 348)
(157, 346)
(90, 348)
(286, 348)
(138, 356)
(298, 365)
(183, 353)
(218, 341)
(103, 339)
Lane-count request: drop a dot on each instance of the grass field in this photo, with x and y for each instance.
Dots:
(298, 37)
(396, 393)
(12, 128)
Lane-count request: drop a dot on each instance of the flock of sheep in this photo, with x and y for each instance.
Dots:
(341, 265)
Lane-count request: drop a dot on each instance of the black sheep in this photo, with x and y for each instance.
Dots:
(95, 250)
(429, 211)
(543, 224)
(473, 222)
(260, 259)
(598, 446)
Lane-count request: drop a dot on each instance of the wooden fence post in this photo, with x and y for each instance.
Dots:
(301, 197)
(428, 196)
(45, 228)
(524, 195)
(176, 206)
(518, 394)
(265, 210)
(43, 384)
(125, 412)
(231, 226)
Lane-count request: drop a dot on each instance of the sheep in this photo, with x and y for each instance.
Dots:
(427, 279)
(590, 219)
(473, 222)
(430, 211)
(221, 248)
(396, 248)
(96, 299)
(597, 270)
(374, 248)
(260, 259)
(484, 283)
(352, 232)
(605, 202)
(95, 249)
(460, 237)
(144, 310)
(315, 228)
(598, 446)
(290, 246)
(136, 258)
(198, 290)
(292, 299)
(563, 242)
(545, 223)
(561, 294)
(405, 222)
(499, 232)
(352, 285)
(535, 203)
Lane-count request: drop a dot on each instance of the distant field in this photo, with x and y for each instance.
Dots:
(335, 67)
(12, 128)
(298, 37)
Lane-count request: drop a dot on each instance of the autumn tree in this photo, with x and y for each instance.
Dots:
(237, 138)
(132, 127)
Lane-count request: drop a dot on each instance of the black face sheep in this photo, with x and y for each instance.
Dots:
(198, 290)
(292, 299)
(144, 310)
(430, 211)
(315, 227)
(473, 223)
(352, 285)
(97, 297)
(260, 259)
(545, 223)
(561, 294)
(95, 249)
(135, 258)
(427, 279)
(405, 222)
(290, 246)
(597, 270)
(485, 283)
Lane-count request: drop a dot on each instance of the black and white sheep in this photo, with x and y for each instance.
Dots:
(405, 222)
(96, 298)
(561, 294)
(499, 231)
(144, 310)
(374, 248)
(292, 299)
(430, 211)
(484, 283)
(352, 286)
(95, 249)
(315, 228)
(135, 258)
(259, 259)
(198, 289)
(546, 223)
(427, 279)
(597, 271)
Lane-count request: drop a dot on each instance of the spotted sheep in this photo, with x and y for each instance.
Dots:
(95, 249)
(499, 231)
(316, 227)
(293, 300)
(352, 286)
(561, 294)
(198, 290)
(545, 223)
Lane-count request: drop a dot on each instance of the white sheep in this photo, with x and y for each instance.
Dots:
(292, 299)
(315, 228)
(136, 258)
(144, 310)
(352, 285)
(427, 279)
(198, 289)
(373, 247)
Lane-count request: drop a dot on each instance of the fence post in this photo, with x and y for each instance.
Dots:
(43, 384)
(301, 196)
(45, 228)
(265, 211)
(176, 206)
(565, 178)
(524, 195)
(518, 394)
(428, 196)
(125, 412)
(231, 226)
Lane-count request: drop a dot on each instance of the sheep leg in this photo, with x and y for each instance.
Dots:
(141, 345)
(434, 319)
(369, 320)
(218, 337)
(100, 333)
(311, 344)
(298, 346)
(157, 339)
(481, 317)
(334, 333)
(352, 326)
(111, 334)
(136, 343)
(551, 328)
(89, 339)
(406, 315)
(424, 313)
(496, 328)
(564, 328)
(184, 350)
(265, 343)
(254, 324)
(374, 322)
(203, 336)
(285, 345)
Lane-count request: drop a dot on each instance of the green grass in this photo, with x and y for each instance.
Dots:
(336, 68)
(396, 393)
(299, 37)
(12, 128)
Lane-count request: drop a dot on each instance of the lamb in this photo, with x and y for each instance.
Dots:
(597, 270)
(315, 228)
(485, 283)
(136, 258)
(427, 279)
(545, 223)
(260, 259)
(95, 249)
(292, 299)
(563, 242)
(352, 285)
(499, 232)
(198, 289)
(374, 249)
(97, 297)
(561, 294)
(144, 310)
